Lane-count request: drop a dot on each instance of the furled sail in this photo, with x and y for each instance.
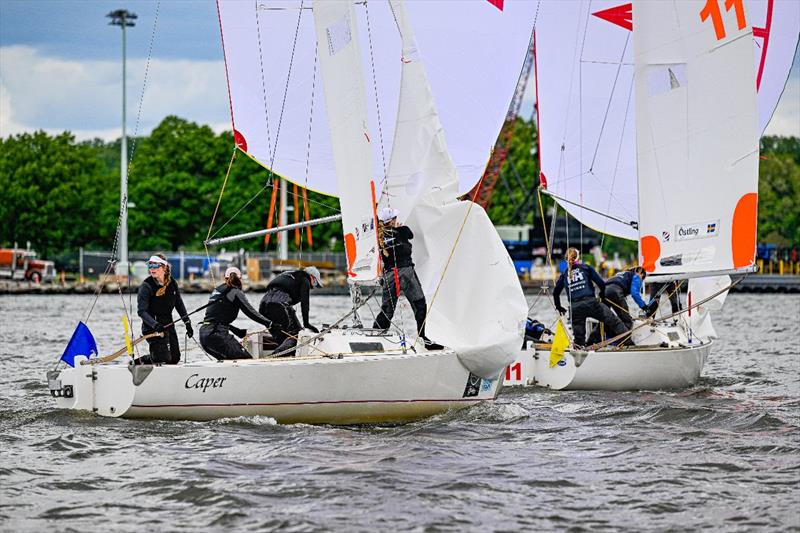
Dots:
(696, 137)
(584, 66)
(474, 52)
(476, 304)
(340, 63)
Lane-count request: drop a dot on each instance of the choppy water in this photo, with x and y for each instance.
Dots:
(723, 455)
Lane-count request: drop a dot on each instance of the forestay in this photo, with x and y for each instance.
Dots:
(340, 63)
(474, 52)
(697, 138)
(586, 115)
(476, 304)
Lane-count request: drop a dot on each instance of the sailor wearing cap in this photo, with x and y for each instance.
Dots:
(226, 302)
(399, 275)
(283, 293)
(158, 295)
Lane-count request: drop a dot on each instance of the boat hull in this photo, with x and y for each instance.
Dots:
(368, 388)
(663, 358)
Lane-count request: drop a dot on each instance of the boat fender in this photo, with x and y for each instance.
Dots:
(579, 356)
(140, 373)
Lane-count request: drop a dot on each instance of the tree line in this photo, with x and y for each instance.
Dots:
(61, 194)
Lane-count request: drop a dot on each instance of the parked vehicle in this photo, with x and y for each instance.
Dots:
(16, 263)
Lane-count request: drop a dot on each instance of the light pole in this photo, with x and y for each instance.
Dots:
(123, 18)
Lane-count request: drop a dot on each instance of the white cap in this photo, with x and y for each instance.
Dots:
(233, 270)
(314, 273)
(387, 213)
(156, 259)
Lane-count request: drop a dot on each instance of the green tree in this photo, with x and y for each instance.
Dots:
(52, 192)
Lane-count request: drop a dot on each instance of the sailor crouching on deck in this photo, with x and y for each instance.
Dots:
(283, 293)
(580, 280)
(622, 285)
(227, 300)
(158, 295)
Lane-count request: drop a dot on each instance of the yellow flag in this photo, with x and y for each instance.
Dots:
(560, 344)
(127, 336)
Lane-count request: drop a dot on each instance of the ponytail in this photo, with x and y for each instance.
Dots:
(233, 280)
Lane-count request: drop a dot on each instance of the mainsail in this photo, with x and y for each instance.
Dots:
(586, 111)
(696, 138)
(474, 53)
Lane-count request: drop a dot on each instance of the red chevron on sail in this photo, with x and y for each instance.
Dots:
(620, 15)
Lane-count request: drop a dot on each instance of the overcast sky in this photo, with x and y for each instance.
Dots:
(60, 68)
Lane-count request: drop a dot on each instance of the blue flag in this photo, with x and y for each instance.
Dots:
(81, 343)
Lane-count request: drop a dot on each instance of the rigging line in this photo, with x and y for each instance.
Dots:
(286, 88)
(216, 210)
(250, 201)
(563, 181)
(263, 80)
(310, 129)
(375, 88)
(608, 103)
(619, 153)
(631, 223)
(111, 260)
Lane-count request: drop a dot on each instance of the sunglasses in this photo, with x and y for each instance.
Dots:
(154, 265)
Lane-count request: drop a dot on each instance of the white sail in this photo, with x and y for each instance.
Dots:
(475, 51)
(476, 304)
(340, 63)
(584, 66)
(697, 139)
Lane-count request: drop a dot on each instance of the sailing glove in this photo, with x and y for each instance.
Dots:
(312, 328)
(158, 328)
(561, 310)
(189, 330)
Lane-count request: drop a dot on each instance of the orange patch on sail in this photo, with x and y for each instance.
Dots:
(743, 234)
(350, 252)
(651, 250)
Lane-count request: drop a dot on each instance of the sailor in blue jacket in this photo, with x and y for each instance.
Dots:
(580, 281)
(627, 283)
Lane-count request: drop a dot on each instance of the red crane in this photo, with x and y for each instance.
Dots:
(482, 192)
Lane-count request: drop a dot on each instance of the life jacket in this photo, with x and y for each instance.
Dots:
(396, 242)
(624, 280)
(161, 306)
(290, 283)
(579, 282)
(221, 310)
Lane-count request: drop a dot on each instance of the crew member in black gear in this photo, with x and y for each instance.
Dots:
(622, 285)
(673, 290)
(283, 293)
(399, 275)
(158, 295)
(580, 280)
(225, 303)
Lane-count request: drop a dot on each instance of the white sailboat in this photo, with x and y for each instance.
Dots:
(351, 375)
(674, 81)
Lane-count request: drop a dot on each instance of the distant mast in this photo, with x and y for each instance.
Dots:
(123, 18)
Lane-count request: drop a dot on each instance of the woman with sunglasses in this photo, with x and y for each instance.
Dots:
(158, 295)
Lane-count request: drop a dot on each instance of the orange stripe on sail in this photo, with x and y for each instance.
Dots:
(651, 251)
(743, 233)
